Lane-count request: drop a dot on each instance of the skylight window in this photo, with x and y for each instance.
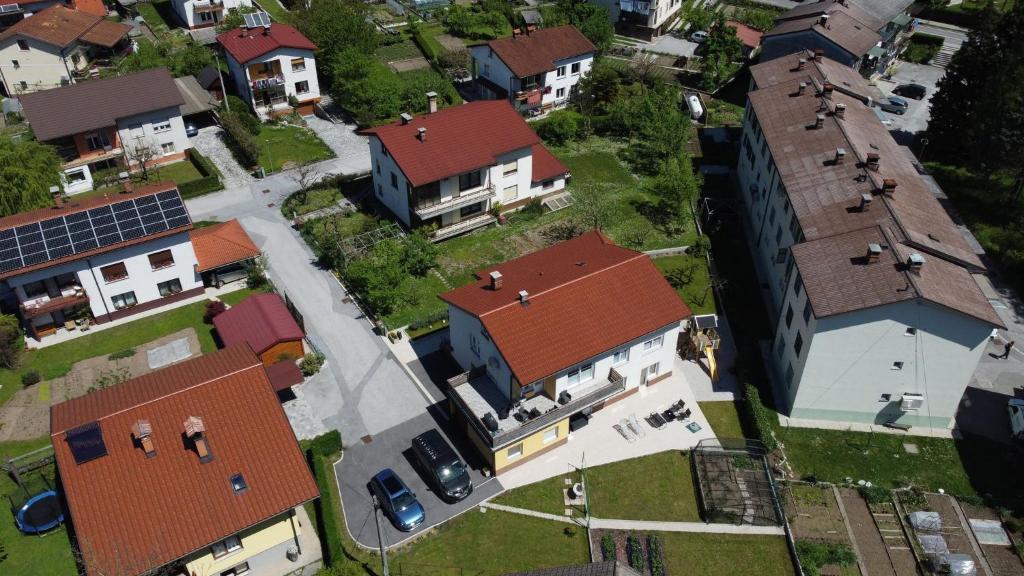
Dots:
(238, 483)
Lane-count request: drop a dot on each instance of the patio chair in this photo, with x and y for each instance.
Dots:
(656, 421)
(634, 426)
(627, 435)
(70, 325)
(685, 415)
(668, 415)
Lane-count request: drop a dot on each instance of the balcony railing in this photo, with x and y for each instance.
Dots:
(71, 296)
(268, 82)
(434, 206)
(463, 226)
(208, 5)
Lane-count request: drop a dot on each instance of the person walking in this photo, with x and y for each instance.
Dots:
(1006, 350)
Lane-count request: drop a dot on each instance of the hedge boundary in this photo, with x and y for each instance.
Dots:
(210, 181)
(759, 416)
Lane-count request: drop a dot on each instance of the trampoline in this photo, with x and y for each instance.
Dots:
(42, 512)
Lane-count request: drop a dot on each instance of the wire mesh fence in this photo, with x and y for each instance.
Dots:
(734, 483)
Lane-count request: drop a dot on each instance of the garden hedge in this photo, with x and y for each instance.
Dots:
(759, 416)
(210, 181)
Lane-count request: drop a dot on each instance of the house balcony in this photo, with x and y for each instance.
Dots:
(268, 82)
(500, 422)
(70, 296)
(208, 6)
(462, 227)
(431, 207)
(93, 156)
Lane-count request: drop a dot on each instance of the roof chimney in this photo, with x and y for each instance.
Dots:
(874, 252)
(406, 118)
(195, 431)
(872, 161)
(823, 21)
(826, 89)
(58, 198)
(432, 102)
(142, 430)
(801, 64)
(818, 54)
(915, 262)
(865, 202)
(888, 186)
(524, 296)
(840, 155)
(801, 88)
(819, 121)
(421, 133)
(840, 111)
(497, 281)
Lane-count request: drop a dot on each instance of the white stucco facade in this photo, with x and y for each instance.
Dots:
(28, 65)
(555, 86)
(290, 72)
(206, 13)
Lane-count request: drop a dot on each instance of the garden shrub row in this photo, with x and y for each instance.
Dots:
(608, 551)
(321, 450)
(814, 555)
(655, 555)
(428, 319)
(759, 417)
(210, 181)
(428, 44)
(245, 145)
(635, 552)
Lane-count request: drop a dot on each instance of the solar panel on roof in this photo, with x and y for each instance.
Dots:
(86, 442)
(256, 19)
(80, 232)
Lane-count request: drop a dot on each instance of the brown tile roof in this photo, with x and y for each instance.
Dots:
(98, 104)
(62, 26)
(608, 294)
(132, 513)
(458, 139)
(843, 29)
(545, 165)
(825, 196)
(864, 15)
(284, 375)
(750, 37)
(221, 244)
(247, 44)
(261, 321)
(787, 69)
(73, 206)
(537, 52)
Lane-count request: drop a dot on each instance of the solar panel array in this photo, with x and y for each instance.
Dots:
(79, 232)
(257, 20)
(86, 442)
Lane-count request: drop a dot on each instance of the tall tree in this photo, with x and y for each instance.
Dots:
(334, 25)
(27, 171)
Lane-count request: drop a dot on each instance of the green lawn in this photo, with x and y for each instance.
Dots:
(615, 490)
(277, 12)
(178, 172)
(56, 361)
(232, 298)
(153, 13)
(283, 144)
(491, 543)
(403, 50)
(690, 277)
(723, 417)
(725, 555)
(31, 555)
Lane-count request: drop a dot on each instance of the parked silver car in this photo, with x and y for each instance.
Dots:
(895, 105)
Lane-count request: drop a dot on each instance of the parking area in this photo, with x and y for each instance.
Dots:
(904, 126)
(393, 449)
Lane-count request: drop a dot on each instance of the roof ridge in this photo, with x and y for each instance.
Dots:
(636, 256)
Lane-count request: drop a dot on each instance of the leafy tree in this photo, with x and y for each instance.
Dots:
(559, 127)
(458, 20)
(718, 52)
(420, 254)
(12, 343)
(364, 86)
(598, 89)
(27, 171)
(417, 83)
(379, 276)
(336, 25)
(180, 60)
(653, 118)
(233, 18)
(591, 19)
(592, 206)
(676, 186)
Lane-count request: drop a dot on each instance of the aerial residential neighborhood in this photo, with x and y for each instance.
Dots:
(554, 288)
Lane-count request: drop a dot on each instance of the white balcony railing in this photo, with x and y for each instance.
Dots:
(429, 210)
(461, 227)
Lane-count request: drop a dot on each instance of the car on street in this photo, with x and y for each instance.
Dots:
(895, 105)
(915, 91)
(191, 130)
(444, 469)
(699, 36)
(396, 500)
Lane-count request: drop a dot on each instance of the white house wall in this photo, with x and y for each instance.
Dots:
(41, 67)
(383, 165)
(139, 129)
(185, 9)
(240, 74)
(568, 81)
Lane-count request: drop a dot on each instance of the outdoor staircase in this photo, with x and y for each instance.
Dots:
(944, 56)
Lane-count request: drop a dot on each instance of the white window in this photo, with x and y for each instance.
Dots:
(510, 168)
(162, 126)
(550, 435)
(167, 147)
(206, 16)
(514, 452)
(560, 93)
(575, 68)
(125, 300)
(75, 176)
(560, 72)
(620, 356)
(653, 343)
(581, 374)
(653, 369)
(487, 69)
(509, 193)
(298, 64)
(226, 546)
(302, 87)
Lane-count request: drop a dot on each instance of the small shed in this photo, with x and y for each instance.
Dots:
(264, 323)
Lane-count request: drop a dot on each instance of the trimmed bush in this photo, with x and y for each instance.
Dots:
(559, 127)
(635, 551)
(814, 555)
(127, 353)
(210, 181)
(759, 416)
(329, 530)
(428, 319)
(655, 556)
(245, 144)
(30, 377)
(608, 551)
(327, 444)
(875, 494)
(311, 363)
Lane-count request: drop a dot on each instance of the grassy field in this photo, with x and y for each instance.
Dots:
(280, 145)
(56, 361)
(723, 417)
(277, 12)
(666, 492)
(404, 50)
(696, 292)
(31, 555)
(178, 172)
(232, 298)
(154, 15)
(723, 555)
(491, 543)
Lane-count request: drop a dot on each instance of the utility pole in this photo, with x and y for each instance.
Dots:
(380, 537)
(220, 77)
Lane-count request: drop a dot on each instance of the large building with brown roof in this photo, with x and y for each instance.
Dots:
(56, 47)
(878, 318)
(535, 71)
(550, 336)
(193, 468)
(449, 169)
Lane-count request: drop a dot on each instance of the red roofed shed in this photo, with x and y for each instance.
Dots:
(265, 324)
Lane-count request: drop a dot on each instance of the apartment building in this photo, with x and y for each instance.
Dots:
(450, 170)
(646, 19)
(537, 70)
(877, 317)
(206, 13)
(104, 258)
(270, 63)
(58, 46)
(548, 338)
(191, 469)
(866, 35)
(110, 124)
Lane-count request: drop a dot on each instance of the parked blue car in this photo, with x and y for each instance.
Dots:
(397, 501)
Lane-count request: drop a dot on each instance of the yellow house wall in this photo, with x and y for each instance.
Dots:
(254, 541)
(531, 445)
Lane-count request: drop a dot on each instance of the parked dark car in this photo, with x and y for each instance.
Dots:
(396, 500)
(191, 130)
(443, 467)
(915, 91)
(894, 104)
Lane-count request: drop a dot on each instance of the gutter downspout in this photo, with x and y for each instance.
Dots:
(92, 270)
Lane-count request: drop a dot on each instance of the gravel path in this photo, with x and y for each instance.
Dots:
(210, 143)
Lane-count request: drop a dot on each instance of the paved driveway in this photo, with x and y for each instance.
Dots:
(392, 449)
(916, 118)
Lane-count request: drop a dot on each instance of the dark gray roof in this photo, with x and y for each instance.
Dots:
(207, 77)
(609, 568)
(98, 103)
(197, 99)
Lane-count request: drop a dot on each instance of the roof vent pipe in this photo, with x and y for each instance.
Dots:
(801, 88)
(406, 118)
(874, 252)
(142, 430)
(497, 281)
(431, 102)
(823, 21)
(524, 296)
(872, 160)
(840, 155)
(888, 186)
(915, 262)
(819, 121)
(801, 64)
(826, 89)
(840, 111)
(865, 202)
(818, 54)
(421, 133)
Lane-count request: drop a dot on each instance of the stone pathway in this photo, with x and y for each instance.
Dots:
(210, 143)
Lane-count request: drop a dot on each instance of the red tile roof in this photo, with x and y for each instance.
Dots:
(222, 244)
(284, 375)
(458, 139)
(261, 321)
(247, 44)
(537, 52)
(546, 166)
(607, 294)
(132, 513)
(60, 26)
(750, 37)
